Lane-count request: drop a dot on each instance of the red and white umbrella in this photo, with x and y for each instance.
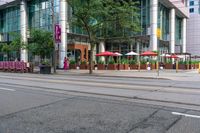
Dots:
(106, 53)
(149, 53)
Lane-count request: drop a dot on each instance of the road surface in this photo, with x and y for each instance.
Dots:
(31, 103)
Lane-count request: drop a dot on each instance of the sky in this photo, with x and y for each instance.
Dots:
(5, 1)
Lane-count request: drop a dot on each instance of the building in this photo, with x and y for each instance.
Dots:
(163, 24)
(193, 28)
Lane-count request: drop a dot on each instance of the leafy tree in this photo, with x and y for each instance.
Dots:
(102, 19)
(41, 43)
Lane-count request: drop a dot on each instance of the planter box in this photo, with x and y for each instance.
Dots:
(168, 66)
(120, 67)
(196, 66)
(88, 67)
(182, 66)
(72, 66)
(101, 66)
(112, 67)
(133, 66)
(45, 69)
(126, 66)
(143, 66)
(83, 66)
(153, 66)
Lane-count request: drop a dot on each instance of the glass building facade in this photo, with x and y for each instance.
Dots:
(9, 22)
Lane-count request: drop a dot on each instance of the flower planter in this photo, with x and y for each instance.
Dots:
(143, 66)
(168, 66)
(133, 66)
(182, 66)
(153, 66)
(120, 67)
(83, 66)
(196, 66)
(101, 66)
(126, 66)
(112, 67)
(44, 69)
(72, 66)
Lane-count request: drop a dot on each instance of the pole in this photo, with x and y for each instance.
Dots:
(199, 68)
(176, 66)
(157, 66)
(53, 24)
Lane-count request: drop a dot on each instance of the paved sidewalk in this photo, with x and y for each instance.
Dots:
(182, 75)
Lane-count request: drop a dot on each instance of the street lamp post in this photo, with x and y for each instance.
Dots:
(53, 24)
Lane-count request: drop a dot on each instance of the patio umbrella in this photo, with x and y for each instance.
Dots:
(106, 53)
(118, 54)
(131, 53)
(165, 55)
(173, 56)
(149, 53)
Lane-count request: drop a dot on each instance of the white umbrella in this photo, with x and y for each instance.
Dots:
(132, 53)
(118, 54)
(165, 55)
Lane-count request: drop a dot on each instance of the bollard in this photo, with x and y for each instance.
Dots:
(157, 67)
(139, 65)
(176, 66)
(199, 67)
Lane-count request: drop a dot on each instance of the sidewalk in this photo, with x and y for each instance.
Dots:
(182, 75)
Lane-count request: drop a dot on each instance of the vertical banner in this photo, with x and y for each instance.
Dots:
(57, 33)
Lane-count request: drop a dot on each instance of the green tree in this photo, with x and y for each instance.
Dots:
(103, 19)
(41, 43)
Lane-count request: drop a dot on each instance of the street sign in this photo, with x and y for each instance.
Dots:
(57, 33)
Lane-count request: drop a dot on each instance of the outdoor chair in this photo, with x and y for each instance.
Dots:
(6, 66)
(1, 66)
(12, 66)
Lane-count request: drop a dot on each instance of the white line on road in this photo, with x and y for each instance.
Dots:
(186, 115)
(6, 89)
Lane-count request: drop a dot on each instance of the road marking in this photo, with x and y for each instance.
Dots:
(6, 89)
(186, 115)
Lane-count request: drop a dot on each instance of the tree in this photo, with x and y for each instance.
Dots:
(41, 43)
(103, 19)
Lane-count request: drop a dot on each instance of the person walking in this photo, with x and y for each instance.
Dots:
(65, 63)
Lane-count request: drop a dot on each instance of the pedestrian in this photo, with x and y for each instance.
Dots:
(65, 63)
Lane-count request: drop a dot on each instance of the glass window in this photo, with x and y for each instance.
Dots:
(191, 3)
(191, 10)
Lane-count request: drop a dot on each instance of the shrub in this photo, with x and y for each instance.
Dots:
(72, 62)
(83, 62)
(111, 61)
(124, 61)
(101, 62)
(132, 62)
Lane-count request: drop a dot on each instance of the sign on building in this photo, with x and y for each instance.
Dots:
(57, 33)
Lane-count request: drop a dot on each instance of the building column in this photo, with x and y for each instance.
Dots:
(172, 30)
(23, 29)
(64, 28)
(154, 25)
(102, 49)
(184, 35)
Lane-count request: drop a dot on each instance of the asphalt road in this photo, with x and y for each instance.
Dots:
(85, 104)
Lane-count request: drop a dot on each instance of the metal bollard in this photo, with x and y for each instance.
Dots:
(176, 66)
(199, 67)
